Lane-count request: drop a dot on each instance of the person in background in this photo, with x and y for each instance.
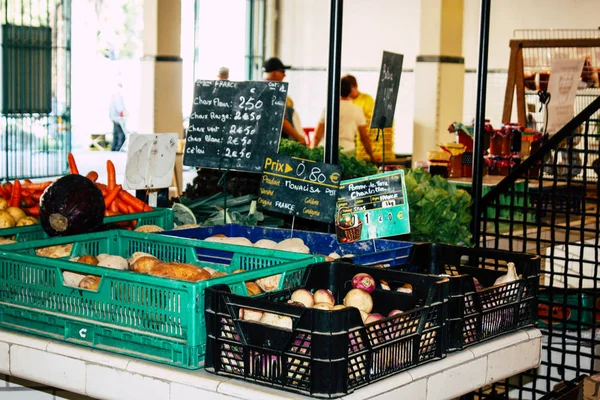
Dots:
(363, 100)
(352, 119)
(274, 70)
(223, 74)
(118, 114)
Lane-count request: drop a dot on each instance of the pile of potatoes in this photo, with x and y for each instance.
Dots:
(145, 263)
(14, 216)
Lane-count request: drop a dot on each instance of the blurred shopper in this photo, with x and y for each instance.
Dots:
(274, 70)
(223, 74)
(352, 119)
(363, 100)
(118, 115)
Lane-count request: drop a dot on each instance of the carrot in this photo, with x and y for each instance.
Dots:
(15, 197)
(26, 181)
(8, 187)
(110, 170)
(3, 193)
(33, 210)
(121, 205)
(27, 202)
(25, 192)
(35, 186)
(104, 192)
(130, 209)
(72, 165)
(92, 175)
(108, 213)
(137, 204)
(112, 195)
(36, 196)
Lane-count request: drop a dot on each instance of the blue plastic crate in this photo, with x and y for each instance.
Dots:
(368, 252)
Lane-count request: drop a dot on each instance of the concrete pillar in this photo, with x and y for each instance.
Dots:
(161, 73)
(439, 75)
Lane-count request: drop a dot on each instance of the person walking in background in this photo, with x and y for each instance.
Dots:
(352, 119)
(223, 74)
(118, 114)
(363, 100)
(274, 70)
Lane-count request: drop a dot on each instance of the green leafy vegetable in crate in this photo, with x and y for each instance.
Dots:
(439, 212)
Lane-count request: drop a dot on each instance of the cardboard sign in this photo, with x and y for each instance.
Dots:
(299, 187)
(562, 87)
(387, 90)
(234, 124)
(372, 207)
(150, 161)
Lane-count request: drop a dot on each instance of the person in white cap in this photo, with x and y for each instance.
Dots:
(274, 70)
(223, 74)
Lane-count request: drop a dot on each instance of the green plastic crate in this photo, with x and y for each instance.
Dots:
(162, 217)
(139, 315)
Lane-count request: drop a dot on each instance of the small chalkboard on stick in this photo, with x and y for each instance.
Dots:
(236, 121)
(387, 90)
(299, 187)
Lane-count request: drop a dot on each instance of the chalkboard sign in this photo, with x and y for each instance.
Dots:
(372, 207)
(299, 187)
(387, 90)
(234, 124)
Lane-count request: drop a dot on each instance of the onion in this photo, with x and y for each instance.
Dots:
(395, 312)
(248, 314)
(360, 299)
(296, 303)
(281, 321)
(338, 307)
(373, 318)
(324, 296)
(405, 288)
(363, 281)
(511, 275)
(363, 315)
(384, 285)
(478, 286)
(323, 306)
(303, 296)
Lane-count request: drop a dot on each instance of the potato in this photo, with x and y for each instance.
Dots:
(72, 279)
(240, 241)
(180, 271)
(113, 262)
(149, 228)
(186, 226)
(137, 255)
(6, 241)
(144, 264)
(265, 244)
(28, 220)
(269, 283)
(58, 251)
(16, 213)
(88, 259)
(253, 288)
(3, 204)
(218, 274)
(90, 282)
(6, 220)
(294, 245)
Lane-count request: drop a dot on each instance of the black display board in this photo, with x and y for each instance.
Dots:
(234, 124)
(387, 90)
(304, 188)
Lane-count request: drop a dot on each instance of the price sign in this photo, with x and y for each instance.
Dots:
(238, 121)
(299, 187)
(372, 207)
(387, 90)
(150, 161)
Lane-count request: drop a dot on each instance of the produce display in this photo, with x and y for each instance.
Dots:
(339, 325)
(70, 205)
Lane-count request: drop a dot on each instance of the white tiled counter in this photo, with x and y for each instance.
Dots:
(103, 375)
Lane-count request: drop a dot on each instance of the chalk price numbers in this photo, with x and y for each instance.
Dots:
(237, 120)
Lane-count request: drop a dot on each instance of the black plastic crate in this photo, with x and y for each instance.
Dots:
(474, 317)
(327, 353)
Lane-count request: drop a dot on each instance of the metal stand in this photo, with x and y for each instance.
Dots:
(380, 129)
(224, 167)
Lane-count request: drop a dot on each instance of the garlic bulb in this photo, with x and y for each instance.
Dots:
(511, 275)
